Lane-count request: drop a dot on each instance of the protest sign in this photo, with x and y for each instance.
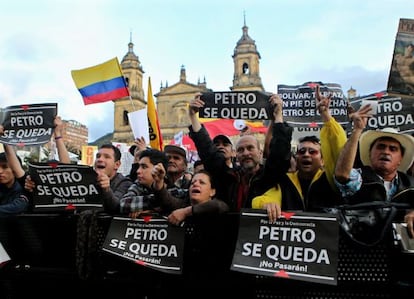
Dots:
(300, 246)
(138, 121)
(401, 76)
(150, 241)
(391, 111)
(299, 104)
(252, 105)
(61, 187)
(28, 124)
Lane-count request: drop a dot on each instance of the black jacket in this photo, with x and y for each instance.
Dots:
(228, 179)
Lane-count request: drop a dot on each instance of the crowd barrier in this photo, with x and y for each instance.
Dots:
(60, 256)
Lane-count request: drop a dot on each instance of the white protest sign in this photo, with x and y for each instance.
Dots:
(138, 121)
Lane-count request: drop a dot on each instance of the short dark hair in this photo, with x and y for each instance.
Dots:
(197, 163)
(155, 156)
(207, 173)
(3, 158)
(117, 152)
(310, 138)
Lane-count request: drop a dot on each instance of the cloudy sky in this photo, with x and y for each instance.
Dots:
(349, 42)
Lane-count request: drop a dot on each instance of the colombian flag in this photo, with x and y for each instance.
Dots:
(101, 83)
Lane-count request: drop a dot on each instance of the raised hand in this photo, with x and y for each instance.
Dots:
(195, 104)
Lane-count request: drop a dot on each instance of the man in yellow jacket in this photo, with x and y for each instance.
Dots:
(311, 186)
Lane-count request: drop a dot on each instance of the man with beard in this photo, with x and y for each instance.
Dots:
(237, 185)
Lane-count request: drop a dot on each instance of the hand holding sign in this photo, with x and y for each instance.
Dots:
(196, 104)
(277, 104)
(103, 180)
(322, 102)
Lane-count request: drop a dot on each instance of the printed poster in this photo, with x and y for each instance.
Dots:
(300, 246)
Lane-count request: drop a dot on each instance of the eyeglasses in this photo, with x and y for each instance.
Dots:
(310, 150)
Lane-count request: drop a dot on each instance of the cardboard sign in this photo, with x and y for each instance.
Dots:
(301, 246)
(299, 104)
(150, 241)
(28, 124)
(61, 187)
(253, 105)
(391, 111)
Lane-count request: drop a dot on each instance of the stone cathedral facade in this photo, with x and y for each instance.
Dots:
(172, 100)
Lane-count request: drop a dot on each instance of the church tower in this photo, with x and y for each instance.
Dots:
(172, 105)
(246, 64)
(133, 73)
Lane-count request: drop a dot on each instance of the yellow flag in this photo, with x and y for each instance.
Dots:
(153, 123)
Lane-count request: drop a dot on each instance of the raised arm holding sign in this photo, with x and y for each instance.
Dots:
(311, 187)
(28, 124)
(232, 183)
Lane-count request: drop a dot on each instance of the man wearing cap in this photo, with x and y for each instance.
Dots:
(177, 179)
(386, 155)
(225, 146)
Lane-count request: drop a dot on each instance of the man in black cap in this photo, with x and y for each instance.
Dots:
(225, 146)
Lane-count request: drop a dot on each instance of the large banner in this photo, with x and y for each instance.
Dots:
(301, 246)
(401, 77)
(389, 111)
(299, 104)
(250, 105)
(150, 241)
(61, 187)
(28, 124)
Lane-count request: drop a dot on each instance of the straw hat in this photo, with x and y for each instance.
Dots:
(406, 141)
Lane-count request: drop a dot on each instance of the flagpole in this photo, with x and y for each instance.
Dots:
(132, 102)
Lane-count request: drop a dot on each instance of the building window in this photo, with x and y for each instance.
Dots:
(125, 118)
(245, 68)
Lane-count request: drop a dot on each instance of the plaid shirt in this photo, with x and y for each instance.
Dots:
(137, 198)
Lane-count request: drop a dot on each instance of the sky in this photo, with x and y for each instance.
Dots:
(347, 42)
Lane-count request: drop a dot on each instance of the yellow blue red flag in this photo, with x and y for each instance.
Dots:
(153, 123)
(101, 83)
